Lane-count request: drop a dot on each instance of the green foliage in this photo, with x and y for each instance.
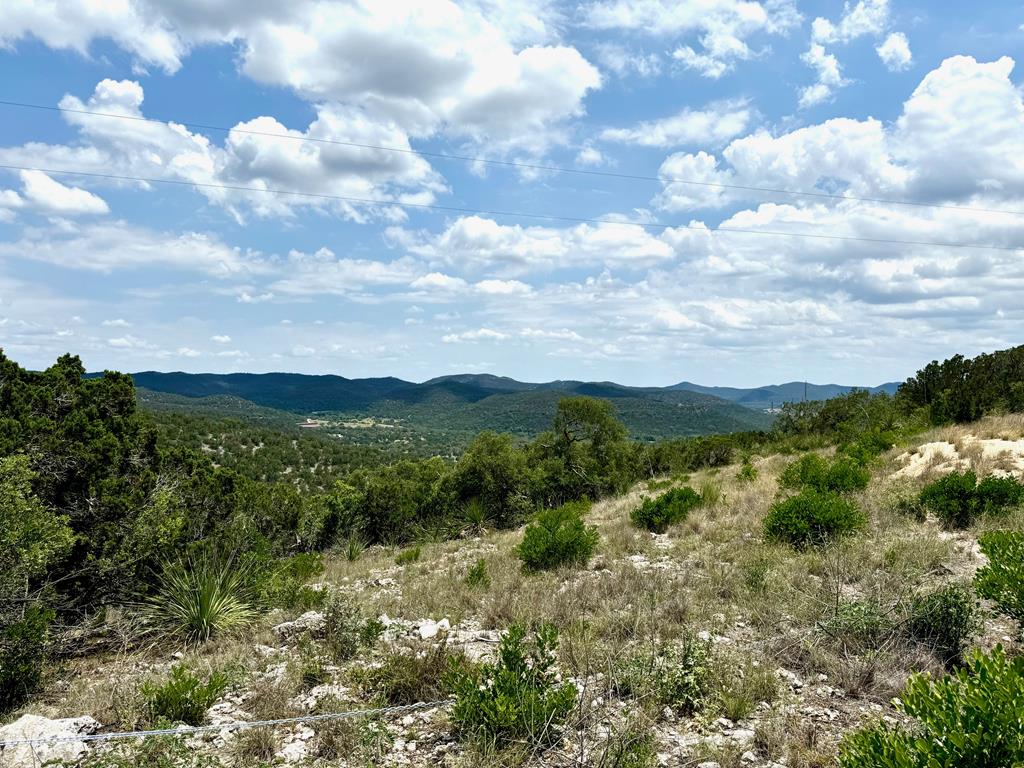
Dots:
(945, 620)
(558, 537)
(1001, 580)
(154, 752)
(183, 697)
(812, 518)
(963, 390)
(632, 745)
(663, 511)
(958, 499)
(345, 629)
(477, 576)
(200, 597)
(354, 547)
(408, 556)
(285, 584)
(841, 475)
(334, 515)
(490, 482)
(678, 676)
(747, 473)
(517, 698)
(407, 678)
(22, 649)
(971, 719)
(858, 625)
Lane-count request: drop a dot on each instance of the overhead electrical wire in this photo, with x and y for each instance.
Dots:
(514, 214)
(516, 163)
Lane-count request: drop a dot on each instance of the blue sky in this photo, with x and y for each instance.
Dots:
(909, 101)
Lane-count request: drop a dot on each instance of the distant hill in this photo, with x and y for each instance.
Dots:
(445, 410)
(777, 394)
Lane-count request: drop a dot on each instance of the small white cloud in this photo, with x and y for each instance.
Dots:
(480, 334)
(895, 52)
(53, 197)
(715, 125)
(830, 76)
(221, 338)
(437, 281)
(502, 287)
(187, 352)
(254, 298)
(590, 156)
(129, 342)
(118, 322)
(301, 350)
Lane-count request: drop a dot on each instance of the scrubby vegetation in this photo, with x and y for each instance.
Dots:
(788, 598)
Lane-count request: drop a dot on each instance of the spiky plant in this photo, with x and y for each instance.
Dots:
(200, 597)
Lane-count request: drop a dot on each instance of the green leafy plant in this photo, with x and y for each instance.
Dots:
(841, 475)
(22, 650)
(200, 597)
(1001, 580)
(410, 677)
(408, 556)
(998, 494)
(958, 499)
(518, 697)
(183, 697)
(747, 473)
(345, 629)
(858, 625)
(477, 576)
(812, 518)
(663, 511)
(285, 584)
(944, 620)
(558, 537)
(678, 676)
(354, 547)
(971, 719)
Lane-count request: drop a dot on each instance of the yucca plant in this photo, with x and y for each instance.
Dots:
(200, 597)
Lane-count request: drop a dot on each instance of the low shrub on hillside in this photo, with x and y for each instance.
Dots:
(944, 620)
(558, 537)
(841, 475)
(345, 629)
(678, 676)
(182, 698)
(408, 556)
(516, 698)
(663, 511)
(747, 473)
(200, 597)
(477, 576)
(410, 677)
(1001, 580)
(958, 499)
(971, 719)
(22, 647)
(857, 626)
(812, 518)
(286, 584)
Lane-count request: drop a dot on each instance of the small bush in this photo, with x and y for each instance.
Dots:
(183, 698)
(285, 586)
(409, 678)
(199, 598)
(1001, 580)
(858, 626)
(516, 698)
(312, 668)
(747, 473)
(958, 499)
(745, 685)
(842, 475)
(632, 745)
(558, 537)
(663, 511)
(710, 493)
(812, 518)
(408, 556)
(678, 677)
(477, 576)
(998, 494)
(22, 647)
(971, 719)
(945, 621)
(354, 548)
(346, 630)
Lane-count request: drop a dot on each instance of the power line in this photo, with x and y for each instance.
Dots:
(519, 164)
(515, 214)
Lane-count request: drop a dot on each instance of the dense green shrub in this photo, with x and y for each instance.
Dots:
(22, 650)
(663, 511)
(812, 518)
(944, 620)
(517, 698)
(200, 597)
(558, 537)
(182, 698)
(841, 475)
(971, 719)
(285, 583)
(1001, 580)
(958, 499)
(409, 556)
(678, 676)
(345, 629)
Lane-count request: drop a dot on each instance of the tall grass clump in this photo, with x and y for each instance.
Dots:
(971, 719)
(558, 537)
(519, 697)
(664, 511)
(812, 518)
(678, 676)
(200, 597)
(182, 698)
(1001, 580)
